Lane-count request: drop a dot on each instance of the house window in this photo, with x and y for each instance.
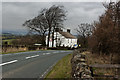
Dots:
(71, 40)
(68, 40)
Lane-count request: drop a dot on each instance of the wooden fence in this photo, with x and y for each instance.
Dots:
(116, 67)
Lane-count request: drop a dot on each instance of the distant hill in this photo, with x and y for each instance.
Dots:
(6, 36)
(14, 32)
(75, 35)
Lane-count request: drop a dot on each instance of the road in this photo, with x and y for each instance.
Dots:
(34, 64)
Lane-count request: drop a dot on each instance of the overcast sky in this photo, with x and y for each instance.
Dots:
(14, 14)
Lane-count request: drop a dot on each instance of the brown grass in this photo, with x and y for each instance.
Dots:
(100, 59)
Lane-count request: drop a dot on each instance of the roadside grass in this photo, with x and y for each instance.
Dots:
(20, 51)
(96, 58)
(27, 51)
(30, 50)
(62, 69)
(59, 49)
(12, 52)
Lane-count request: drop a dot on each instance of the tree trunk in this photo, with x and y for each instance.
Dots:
(43, 39)
(53, 38)
(111, 58)
(56, 38)
(48, 37)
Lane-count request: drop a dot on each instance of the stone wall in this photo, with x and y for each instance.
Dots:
(80, 69)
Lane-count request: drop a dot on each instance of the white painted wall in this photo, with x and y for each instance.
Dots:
(66, 42)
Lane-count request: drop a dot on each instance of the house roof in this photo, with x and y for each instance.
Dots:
(67, 35)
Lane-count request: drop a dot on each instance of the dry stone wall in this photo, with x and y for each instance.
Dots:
(80, 69)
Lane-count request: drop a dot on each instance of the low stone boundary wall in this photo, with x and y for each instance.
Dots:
(80, 69)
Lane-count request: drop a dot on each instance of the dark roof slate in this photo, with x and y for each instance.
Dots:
(67, 35)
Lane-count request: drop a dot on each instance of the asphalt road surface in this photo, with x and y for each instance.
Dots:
(34, 64)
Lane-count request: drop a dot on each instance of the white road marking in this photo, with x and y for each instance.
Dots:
(31, 56)
(46, 53)
(8, 62)
(35, 56)
(50, 68)
(55, 52)
(27, 57)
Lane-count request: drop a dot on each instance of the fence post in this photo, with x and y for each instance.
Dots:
(91, 69)
(118, 72)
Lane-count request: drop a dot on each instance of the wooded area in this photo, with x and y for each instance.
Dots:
(106, 35)
(103, 37)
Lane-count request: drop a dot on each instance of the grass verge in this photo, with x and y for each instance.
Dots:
(62, 69)
(27, 51)
(20, 51)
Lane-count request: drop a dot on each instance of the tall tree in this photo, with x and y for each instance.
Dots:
(55, 16)
(106, 34)
(47, 20)
(38, 24)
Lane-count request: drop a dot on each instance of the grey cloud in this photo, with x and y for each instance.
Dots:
(0, 17)
(15, 13)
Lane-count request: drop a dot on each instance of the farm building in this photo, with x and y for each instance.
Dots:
(62, 39)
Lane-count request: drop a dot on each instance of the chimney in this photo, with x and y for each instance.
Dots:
(68, 30)
(57, 30)
(61, 30)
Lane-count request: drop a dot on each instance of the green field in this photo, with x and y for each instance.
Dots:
(8, 40)
(8, 37)
(62, 69)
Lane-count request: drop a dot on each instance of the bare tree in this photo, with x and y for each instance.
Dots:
(55, 15)
(84, 30)
(38, 24)
(107, 33)
(47, 20)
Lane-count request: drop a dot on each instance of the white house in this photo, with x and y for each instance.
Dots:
(63, 39)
